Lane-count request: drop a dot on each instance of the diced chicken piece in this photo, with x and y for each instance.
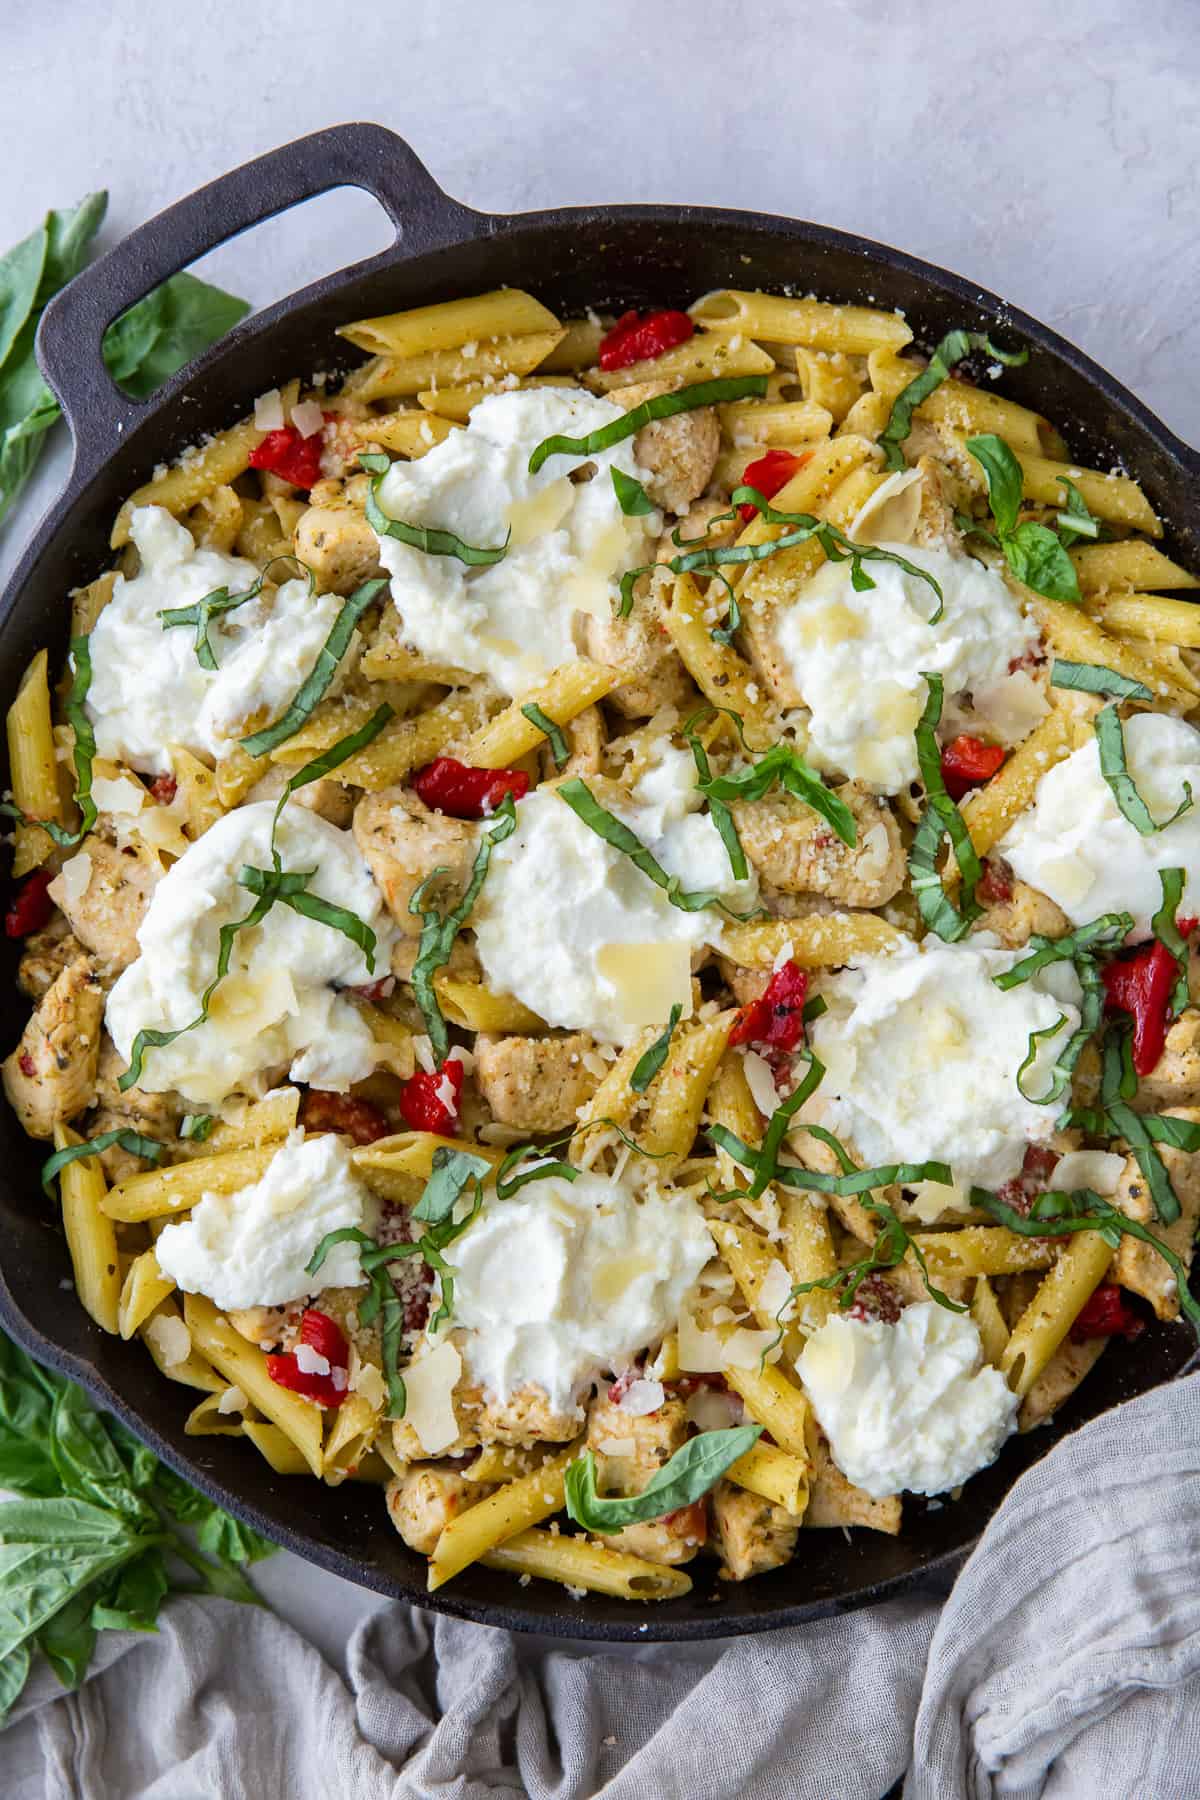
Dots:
(1029, 911)
(45, 956)
(675, 1538)
(134, 1109)
(526, 1417)
(586, 737)
(1138, 1266)
(833, 1500)
(422, 1503)
(50, 1077)
(535, 1083)
(630, 1449)
(1059, 1379)
(1175, 1078)
(796, 850)
(640, 648)
(339, 547)
(752, 1534)
(327, 798)
(106, 916)
(680, 455)
(695, 525)
(403, 842)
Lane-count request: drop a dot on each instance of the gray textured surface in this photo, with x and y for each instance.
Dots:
(1050, 151)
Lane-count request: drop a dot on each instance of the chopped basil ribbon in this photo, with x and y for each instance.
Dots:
(132, 1141)
(940, 819)
(584, 804)
(452, 1170)
(381, 1302)
(632, 497)
(763, 1163)
(725, 634)
(1036, 1040)
(313, 688)
(660, 406)
(629, 581)
(1169, 935)
(551, 732)
(1110, 741)
(783, 764)
(815, 1181)
(202, 612)
(1056, 1214)
(428, 538)
(891, 1245)
(719, 813)
(1097, 678)
(814, 1008)
(541, 1170)
(953, 347)
(1080, 948)
(75, 713)
(652, 1060)
(1075, 521)
(438, 931)
(1099, 937)
(197, 1128)
(288, 888)
(695, 1467)
(1034, 553)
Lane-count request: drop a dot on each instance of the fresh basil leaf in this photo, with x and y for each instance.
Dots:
(1036, 556)
(165, 330)
(953, 347)
(230, 1539)
(660, 406)
(583, 803)
(452, 1170)
(1075, 521)
(1110, 741)
(88, 1462)
(197, 1128)
(68, 1639)
(553, 734)
(940, 819)
(1005, 482)
(438, 930)
(132, 1141)
(49, 1550)
(652, 1060)
(632, 497)
(20, 278)
(1097, 678)
(136, 1596)
(1132, 1127)
(26, 1412)
(1165, 929)
(14, 1673)
(1177, 1134)
(685, 1478)
(312, 690)
(427, 538)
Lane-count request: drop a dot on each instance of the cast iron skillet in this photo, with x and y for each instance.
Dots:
(619, 256)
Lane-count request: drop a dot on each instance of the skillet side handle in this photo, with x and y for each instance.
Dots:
(364, 156)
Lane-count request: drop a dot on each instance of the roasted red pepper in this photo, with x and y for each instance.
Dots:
(996, 883)
(449, 786)
(323, 1111)
(968, 761)
(768, 474)
(292, 457)
(635, 339)
(322, 1337)
(1039, 1164)
(775, 1021)
(1106, 1314)
(1141, 984)
(31, 906)
(424, 1102)
(163, 789)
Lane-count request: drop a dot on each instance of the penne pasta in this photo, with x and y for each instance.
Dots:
(513, 1508)
(504, 313)
(33, 765)
(1041, 1328)
(157, 1193)
(396, 377)
(90, 1237)
(510, 735)
(817, 324)
(143, 1288)
(245, 1366)
(576, 1563)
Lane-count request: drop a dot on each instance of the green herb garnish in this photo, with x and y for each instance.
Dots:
(1035, 554)
(133, 1141)
(652, 1060)
(632, 497)
(584, 804)
(439, 930)
(428, 538)
(782, 764)
(953, 347)
(720, 814)
(891, 1245)
(553, 734)
(1114, 766)
(312, 690)
(215, 605)
(940, 819)
(197, 1128)
(1167, 932)
(1097, 678)
(660, 406)
(695, 1467)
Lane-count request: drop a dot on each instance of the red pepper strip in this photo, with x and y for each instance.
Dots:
(1141, 984)
(633, 339)
(324, 1337)
(996, 886)
(1106, 1314)
(449, 786)
(770, 472)
(31, 906)
(163, 789)
(323, 1111)
(292, 457)
(1037, 1167)
(776, 1018)
(968, 761)
(423, 1101)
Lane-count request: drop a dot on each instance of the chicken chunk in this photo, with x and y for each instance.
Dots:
(403, 842)
(535, 1083)
(680, 455)
(50, 1077)
(526, 1417)
(1138, 1266)
(328, 799)
(752, 1534)
(630, 1448)
(796, 850)
(586, 737)
(1059, 1379)
(132, 1109)
(1016, 920)
(697, 524)
(639, 647)
(45, 956)
(339, 547)
(105, 917)
(834, 1500)
(1175, 1078)
(422, 1503)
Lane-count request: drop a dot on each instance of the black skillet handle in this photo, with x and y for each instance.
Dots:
(73, 324)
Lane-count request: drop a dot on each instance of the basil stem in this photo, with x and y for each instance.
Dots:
(132, 1141)
(1165, 929)
(313, 688)
(953, 347)
(1036, 556)
(652, 1060)
(660, 406)
(584, 804)
(553, 734)
(940, 819)
(439, 931)
(695, 1467)
(428, 538)
(1097, 678)
(1110, 742)
(632, 497)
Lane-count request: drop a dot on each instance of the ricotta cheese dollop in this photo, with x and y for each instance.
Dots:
(277, 1008)
(519, 618)
(250, 1248)
(857, 659)
(571, 1278)
(573, 929)
(910, 1405)
(921, 1052)
(1076, 845)
(148, 690)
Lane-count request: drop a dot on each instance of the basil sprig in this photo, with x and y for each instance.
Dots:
(1057, 1214)
(652, 1060)
(439, 930)
(659, 406)
(940, 819)
(312, 690)
(553, 734)
(695, 1467)
(632, 497)
(1165, 929)
(1034, 553)
(83, 755)
(953, 347)
(429, 538)
(132, 1141)
(1114, 766)
(584, 804)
